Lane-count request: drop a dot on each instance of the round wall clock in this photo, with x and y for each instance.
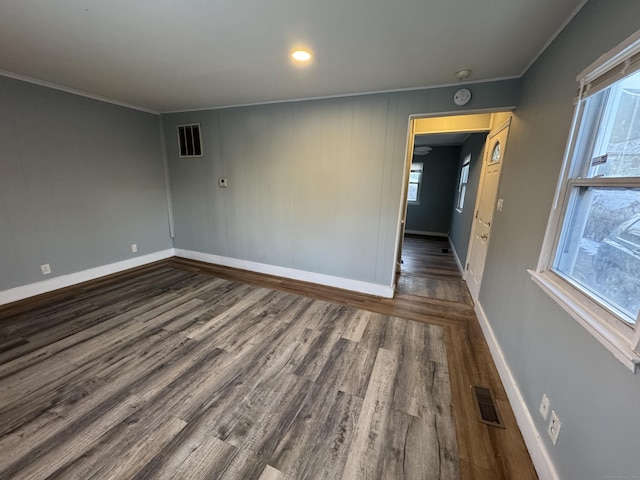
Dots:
(462, 96)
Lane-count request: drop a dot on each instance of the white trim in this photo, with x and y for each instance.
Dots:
(610, 59)
(73, 91)
(537, 450)
(460, 113)
(302, 275)
(554, 36)
(424, 232)
(403, 204)
(62, 281)
(455, 255)
(358, 94)
(591, 316)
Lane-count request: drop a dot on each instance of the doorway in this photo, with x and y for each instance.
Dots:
(428, 138)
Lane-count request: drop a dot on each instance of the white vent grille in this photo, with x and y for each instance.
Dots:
(189, 140)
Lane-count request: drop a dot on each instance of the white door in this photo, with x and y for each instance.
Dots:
(485, 207)
(403, 208)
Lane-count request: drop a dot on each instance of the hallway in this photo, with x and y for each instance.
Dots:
(429, 270)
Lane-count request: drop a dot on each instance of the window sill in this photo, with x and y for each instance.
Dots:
(413, 203)
(595, 319)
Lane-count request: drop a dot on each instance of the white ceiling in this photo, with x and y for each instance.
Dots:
(168, 55)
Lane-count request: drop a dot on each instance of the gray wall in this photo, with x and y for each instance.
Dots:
(439, 185)
(313, 185)
(461, 221)
(594, 395)
(80, 181)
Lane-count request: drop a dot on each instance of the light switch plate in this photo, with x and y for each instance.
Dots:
(554, 427)
(545, 406)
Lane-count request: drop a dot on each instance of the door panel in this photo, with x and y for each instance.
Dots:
(403, 214)
(485, 207)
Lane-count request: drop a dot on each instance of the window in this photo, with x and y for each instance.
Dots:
(462, 183)
(590, 262)
(415, 180)
(189, 140)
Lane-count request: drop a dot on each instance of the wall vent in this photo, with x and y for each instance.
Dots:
(487, 409)
(189, 140)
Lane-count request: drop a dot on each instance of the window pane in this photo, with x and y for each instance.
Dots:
(616, 151)
(465, 173)
(461, 200)
(600, 249)
(413, 192)
(414, 177)
(495, 155)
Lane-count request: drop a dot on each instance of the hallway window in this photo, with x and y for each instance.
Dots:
(462, 183)
(415, 181)
(592, 245)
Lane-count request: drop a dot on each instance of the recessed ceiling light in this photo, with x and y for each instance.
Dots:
(301, 55)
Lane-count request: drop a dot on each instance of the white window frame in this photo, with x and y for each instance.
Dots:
(415, 167)
(620, 338)
(463, 182)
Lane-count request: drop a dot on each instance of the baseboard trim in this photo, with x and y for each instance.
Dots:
(63, 281)
(430, 234)
(535, 444)
(455, 255)
(302, 275)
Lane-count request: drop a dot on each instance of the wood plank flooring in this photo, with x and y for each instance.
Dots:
(428, 270)
(174, 374)
(184, 370)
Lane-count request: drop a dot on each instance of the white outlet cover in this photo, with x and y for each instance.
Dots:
(554, 427)
(134, 247)
(545, 405)
(45, 269)
(500, 204)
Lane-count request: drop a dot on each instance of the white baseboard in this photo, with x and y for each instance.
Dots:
(430, 234)
(319, 278)
(62, 281)
(535, 444)
(455, 255)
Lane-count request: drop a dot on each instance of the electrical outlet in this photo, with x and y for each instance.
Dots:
(545, 405)
(554, 427)
(134, 247)
(46, 269)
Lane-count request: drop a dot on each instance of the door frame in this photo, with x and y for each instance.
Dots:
(408, 157)
(487, 152)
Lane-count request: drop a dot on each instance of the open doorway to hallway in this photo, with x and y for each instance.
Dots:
(443, 169)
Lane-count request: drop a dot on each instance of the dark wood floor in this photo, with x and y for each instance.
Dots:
(182, 370)
(429, 270)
